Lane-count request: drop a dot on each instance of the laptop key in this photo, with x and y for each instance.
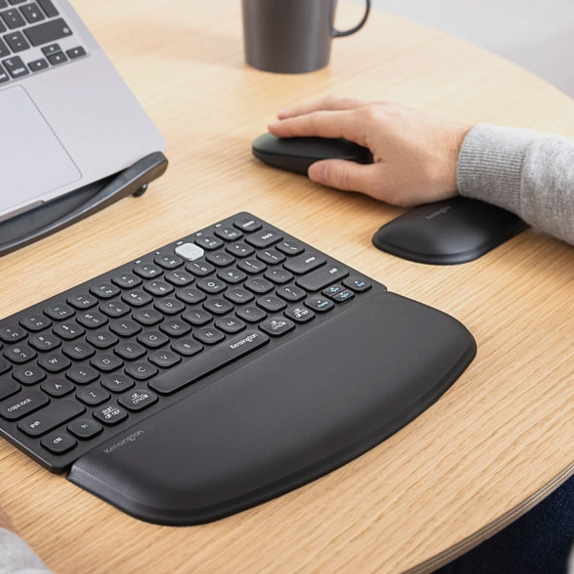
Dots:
(4, 77)
(15, 67)
(12, 19)
(48, 7)
(48, 32)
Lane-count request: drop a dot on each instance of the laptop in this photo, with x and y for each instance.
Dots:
(68, 118)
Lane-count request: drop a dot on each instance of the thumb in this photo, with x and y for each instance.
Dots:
(342, 174)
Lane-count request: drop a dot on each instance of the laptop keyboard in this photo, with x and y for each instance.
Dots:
(33, 37)
(81, 366)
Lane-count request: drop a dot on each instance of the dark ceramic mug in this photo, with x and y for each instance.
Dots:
(291, 36)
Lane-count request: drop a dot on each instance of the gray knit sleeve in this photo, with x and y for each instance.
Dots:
(16, 557)
(528, 173)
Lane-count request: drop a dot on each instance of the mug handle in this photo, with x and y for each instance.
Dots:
(340, 33)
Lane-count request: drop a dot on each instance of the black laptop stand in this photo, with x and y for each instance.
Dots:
(50, 217)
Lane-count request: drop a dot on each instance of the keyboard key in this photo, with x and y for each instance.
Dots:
(50, 417)
(77, 52)
(58, 443)
(15, 67)
(305, 263)
(12, 333)
(4, 77)
(192, 370)
(44, 341)
(264, 238)
(22, 404)
(56, 59)
(8, 387)
(322, 277)
(85, 428)
(12, 18)
(141, 371)
(117, 383)
(20, 354)
(48, 8)
(29, 375)
(93, 396)
(138, 399)
(209, 335)
(47, 32)
(57, 387)
(191, 296)
(110, 415)
(277, 326)
(320, 304)
(32, 13)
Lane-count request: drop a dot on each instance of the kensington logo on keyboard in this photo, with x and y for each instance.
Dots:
(129, 439)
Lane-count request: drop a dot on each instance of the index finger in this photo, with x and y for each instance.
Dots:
(332, 103)
(325, 124)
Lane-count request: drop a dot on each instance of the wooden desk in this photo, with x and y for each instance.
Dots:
(497, 442)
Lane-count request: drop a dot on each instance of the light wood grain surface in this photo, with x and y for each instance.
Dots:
(494, 444)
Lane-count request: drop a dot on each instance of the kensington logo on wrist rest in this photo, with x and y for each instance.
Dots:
(448, 232)
(219, 371)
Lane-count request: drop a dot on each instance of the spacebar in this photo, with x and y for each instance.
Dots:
(213, 359)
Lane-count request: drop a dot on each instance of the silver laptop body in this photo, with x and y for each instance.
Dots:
(67, 118)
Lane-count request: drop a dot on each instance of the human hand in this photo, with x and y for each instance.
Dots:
(415, 155)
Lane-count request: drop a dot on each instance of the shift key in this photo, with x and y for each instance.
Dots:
(48, 32)
(51, 417)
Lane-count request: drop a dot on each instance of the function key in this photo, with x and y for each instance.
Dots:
(85, 428)
(264, 238)
(104, 290)
(208, 242)
(68, 330)
(12, 334)
(82, 301)
(59, 312)
(126, 280)
(247, 224)
(228, 233)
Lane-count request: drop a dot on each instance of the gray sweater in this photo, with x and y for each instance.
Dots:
(525, 172)
(528, 173)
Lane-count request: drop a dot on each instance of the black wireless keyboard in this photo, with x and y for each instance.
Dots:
(219, 371)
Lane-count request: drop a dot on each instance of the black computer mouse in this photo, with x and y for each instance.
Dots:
(297, 154)
(447, 232)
